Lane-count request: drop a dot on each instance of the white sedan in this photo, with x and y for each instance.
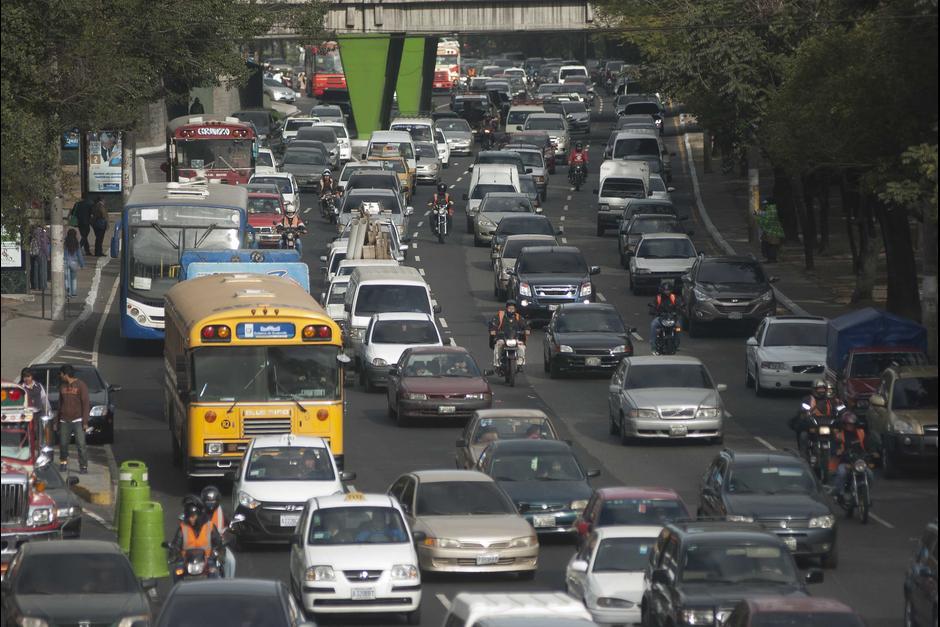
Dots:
(786, 353)
(387, 337)
(607, 573)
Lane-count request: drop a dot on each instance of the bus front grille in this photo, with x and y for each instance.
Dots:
(265, 426)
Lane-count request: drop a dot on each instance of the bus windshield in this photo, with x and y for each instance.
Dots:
(214, 154)
(266, 373)
(329, 62)
(157, 236)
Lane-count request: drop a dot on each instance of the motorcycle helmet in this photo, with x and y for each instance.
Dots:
(579, 146)
(830, 390)
(819, 388)
(191, 509)
(511, 302)
(290, 209)
(441, 188)
(327, 172)
(849, 421)
(665, 287)
(211, 496)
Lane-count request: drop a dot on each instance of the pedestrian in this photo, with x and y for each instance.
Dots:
(771, 231)
(100, 224)
(196, 107)
(40, 251)
(74, 410)
(81, 211)
(35, 393)
(74, 259)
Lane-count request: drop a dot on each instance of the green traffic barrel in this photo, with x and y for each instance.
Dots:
(148, 557)
(129, 496)
(133, 470)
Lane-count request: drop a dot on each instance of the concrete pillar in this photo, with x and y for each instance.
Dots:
(371, 64)
(416, 75)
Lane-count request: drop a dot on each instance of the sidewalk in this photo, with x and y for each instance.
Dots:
(724, 203)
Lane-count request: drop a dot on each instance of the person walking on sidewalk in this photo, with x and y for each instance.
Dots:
(81, 211)
(74, 409)
(40, 251)
(771, 231)
(35, 394)
(74, 259)
(100, 224)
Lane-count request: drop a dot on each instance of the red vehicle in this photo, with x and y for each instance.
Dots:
(442, 81)
(264, 209)
(211, 147)
(28, 513)
(630, 506)
(324, 69)
(793, 610)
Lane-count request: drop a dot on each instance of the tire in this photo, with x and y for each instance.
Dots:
(554, 370)
(823, 457)
(525, 575)
(830, 561)
(623, 260)
(612, 426)
(625, 440)
(718, 440)
(758, 390)
(469, 224)
(392, 413)
(889, 467)
(177, 452)
(748, 379)
(692, 327)
(511, 373)
(546, 362)
(633, 288)
(864, 504)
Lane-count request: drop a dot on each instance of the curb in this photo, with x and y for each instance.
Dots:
(716, 235)
(102, 497)
(150, 150)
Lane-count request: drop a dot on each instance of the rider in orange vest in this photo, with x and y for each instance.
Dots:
(212, 497)
(507, 320)
(195, 532)
(666, 300)
(850, 434)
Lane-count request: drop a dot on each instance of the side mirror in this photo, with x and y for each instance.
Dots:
(437, 308)
(114, 388)
(419, 536)
(613, 389)
(409, 211)
(393, 371)
(595, 191)
(344, 359)
(814, 575)
(538, 210)
(460, 443)
(595, 270)
(579, 566)
(660, 576)
(590, 474)
(670, 189)
(322, 269)
(878, 400)
(295, 538)
(722, 387)
(751, 341)
(347, 476)
(164, 166)
(528, 170)
(72, 481)
(322, 258)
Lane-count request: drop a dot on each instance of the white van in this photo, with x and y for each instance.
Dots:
(384, 143)
(334, 297)
(515, 120)
(567, 71)
(381, 290)
(619, 182)
(470, 609)
(487, 178)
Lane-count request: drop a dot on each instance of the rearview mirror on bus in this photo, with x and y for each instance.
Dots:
(343, 359)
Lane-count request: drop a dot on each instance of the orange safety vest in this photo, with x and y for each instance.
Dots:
(218, 519)
(501, 315)
(659, 299)
(835, 460)
(193, 541)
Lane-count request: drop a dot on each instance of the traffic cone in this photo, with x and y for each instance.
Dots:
(129, 496)
(148, 557)
(130, 470)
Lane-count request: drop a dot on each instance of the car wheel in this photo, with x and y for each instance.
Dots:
(831, 559)
(469, 224)
(611, 425)
(692, 327)
(402, 421)
(554, 370)
(718, 440)
(477, 242)
(624, 438)
(392, 412)
(748, 379)
(177, 453)
(909, 614)
(108, 437)
(623, 259)
(633, 288)
(546, 362)
(758, 390)
(889, 466)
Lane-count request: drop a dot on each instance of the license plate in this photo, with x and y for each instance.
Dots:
(543, 520)
(735, 315)
(486, 560)
(446, 409)
(790, 542)
(592, 361)
(289, 520)
(678, 430)
(552, 307)
(363, 594)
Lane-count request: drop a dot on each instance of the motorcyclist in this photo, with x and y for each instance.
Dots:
(195, 531)
(850, 435)
(578, 155)
(667, 301)
(211, 498)
(327, 188)
(290, 219)
(442, 195)
(821, 406)
(508, 323)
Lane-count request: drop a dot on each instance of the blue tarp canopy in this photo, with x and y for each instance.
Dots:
(870, 327)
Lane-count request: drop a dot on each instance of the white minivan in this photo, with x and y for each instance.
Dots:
(488, 178)
(619, 181)
(385, 143)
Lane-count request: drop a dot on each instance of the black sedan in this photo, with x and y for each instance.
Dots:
(777, 490)
(67, 504)
(100, 393)
(585, 337)
(225, 602)
(543, 478)
(74, 582)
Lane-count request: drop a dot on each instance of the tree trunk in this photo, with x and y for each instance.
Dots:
(903, 293)
(783, 196)
(807, 221)
(867, 253)
(822, 195)
(929, 302)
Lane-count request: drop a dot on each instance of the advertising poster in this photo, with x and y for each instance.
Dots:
(104, 161)
(10, 252)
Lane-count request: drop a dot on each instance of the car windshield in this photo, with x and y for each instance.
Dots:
(506, 204)
(392, 148)
(573, 107)
(795, 334)
(293, 125)
(731, 272)
(385, 202)
(804, 619)
(640, 512)
(667, 376)
(769, 479)
(623, 188)
(243, 610)
(656, 225)
(49, 378)
(483, 189)
(304, 157)
(650, 108)
(373, 299)
(326, 112)
(357, 525)
(282, 183)
(630, 146)
(653, 208)
(462, 498)
(915, 393)
(673, 248)
(289, 463)
(552, 263)
(589, 321)
(14, 444)
(264, 205)
(453, 124)
(427, 150)
(518, 117)
(871, 365)
(54, 574)
(337, 295)
(404, 332)
(535, 225)
(517, 466)
(544, 124)
(265, 373)
(623, 555)
(736, 564)
(531, 158)
(418, 132)
(492, 429)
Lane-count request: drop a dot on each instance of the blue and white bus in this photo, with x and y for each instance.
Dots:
(159, 222)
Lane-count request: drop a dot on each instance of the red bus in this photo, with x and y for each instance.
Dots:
(324, 69)
(210, 147)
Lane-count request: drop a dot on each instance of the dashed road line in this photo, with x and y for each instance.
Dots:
(415, 235)
(459, 178)
(428, 212)
(417, 258)
(443, 322)
(637, 336)
(98, 519)
(308, 210)
(420, 223)
(466, 171)
(601, 297)
(564, 240)
(881, 521)
(569, 195)
(452, 186)
(452, 342)
(414, 244)
(562, 218)
(444, 600)
(565, 207)
(765, 443)
(421, 271)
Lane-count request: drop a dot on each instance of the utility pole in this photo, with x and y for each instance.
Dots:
(928, 300)
(753, 181)
(57, 238)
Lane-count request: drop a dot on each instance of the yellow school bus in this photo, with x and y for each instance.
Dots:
(248, 355)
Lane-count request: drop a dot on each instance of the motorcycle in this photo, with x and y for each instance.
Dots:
(818, 445)
(576, 175)
(329, 209)
(509, 360)
(440, 215)
(486, 139)
(667, 339)
(290, 235)
(193, 564)
(857, 499)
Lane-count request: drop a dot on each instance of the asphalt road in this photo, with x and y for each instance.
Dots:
(873, 557)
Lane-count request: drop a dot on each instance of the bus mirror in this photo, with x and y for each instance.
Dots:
(343, 359)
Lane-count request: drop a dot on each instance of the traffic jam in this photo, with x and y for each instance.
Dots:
(487, 367)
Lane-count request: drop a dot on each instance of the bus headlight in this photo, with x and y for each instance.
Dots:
(214, 448)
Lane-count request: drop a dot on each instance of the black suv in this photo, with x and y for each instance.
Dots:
(920, 583)
(699, 571)
(778, 490)
(585, 337)
(726, 288)
(546, 277)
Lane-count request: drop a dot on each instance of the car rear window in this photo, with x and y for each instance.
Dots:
(373, 299)
(504, 204)
(544, 124)
(623, 188)
(795, 334)
(486, 188)
(293, 125)
(243, 610)
(404, 332)
(642, 107)
(629, 146)
(667, 376)
(640, 512)
(653, 226)
(518, 226)
(589, 321)
(915, 393)
(617, 555)
(511, 249)
(678, 248)
(53, 575)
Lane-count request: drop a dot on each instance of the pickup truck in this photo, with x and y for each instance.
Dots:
(862, 344)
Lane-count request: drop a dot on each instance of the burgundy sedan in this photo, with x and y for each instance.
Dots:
(436, 382)
(630, 506)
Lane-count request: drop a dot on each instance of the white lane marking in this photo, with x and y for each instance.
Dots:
(421, 271)
(76, 351)
(443, 322)
(428, 212)
(601, 297)
(459, 178)
(466, 171)
(452, 186)
(452, 342)
(415, 234)
(562, 218)
(765, 443)
(564, 240)
(417, 258)
(444, 600)
(569, 195)
(308, 210)
(100, 329)
(637, 337)
(565, 207)
(878, 519)
(414, 244)
(420, 223)
(98, 519)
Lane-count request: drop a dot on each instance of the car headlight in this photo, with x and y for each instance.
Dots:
(700, 295)
(707, 412)
(476, 397)
(586, 289)
(404, 571)
(578, 504)
(738, 518)
(484, 221)
(643, 413)
(441, 543)
(564, 348)
(127, 621)
(822, 522)
(41, 516)
(525, 290)
(613, 602)
(772, 365)
(246, 500)
(698, 616)
(378, 361)
(195, 568)
(539, 179)
(99, 410)
(320, 573)
(68, 512)
(623, 348)
(901, 426)
(525, 541)
(355, 332)
(767, 296)
(416, 396)
(31, 621)
(214, 448)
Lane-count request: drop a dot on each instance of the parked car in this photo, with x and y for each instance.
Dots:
(785, 353)
(488, 425)
(585, 338)
(727, 288)
(920, 581)
(101, 396)
(225, 602)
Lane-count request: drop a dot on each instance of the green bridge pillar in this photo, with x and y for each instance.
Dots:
(416, 75)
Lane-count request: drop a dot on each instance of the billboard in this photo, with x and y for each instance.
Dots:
(104, 161)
